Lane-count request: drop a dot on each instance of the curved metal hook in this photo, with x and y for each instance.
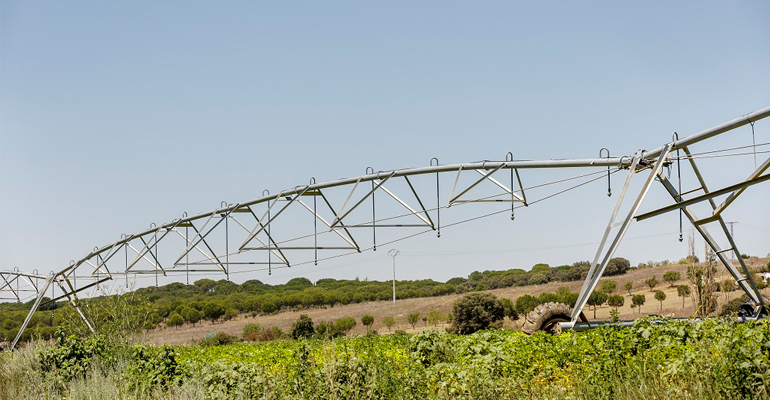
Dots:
(609, 180)
(223, 204)
(312, 180)
(431, 161)
(509, 156)
(184, 214)
(369, 170)
(265, 193)
(153, 225)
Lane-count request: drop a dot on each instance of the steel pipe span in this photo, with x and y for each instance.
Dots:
(144, 244)
(618, 162)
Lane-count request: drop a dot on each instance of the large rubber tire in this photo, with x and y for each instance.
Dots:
(546, 317)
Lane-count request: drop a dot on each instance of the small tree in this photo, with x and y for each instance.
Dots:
(596, 299)
(434, 317)
(476, 311)
(389, 322)
(616, 301)
(212, 311)
(660, 296)
(192, 316)
(303, 327)
(671, 277)
(628, 286)
(651, 282)
(412, 318)
(683, 291)
(175, 320)
(637, 301)
(425, 320)
(367, 320)
(608, 287)
(230, 314)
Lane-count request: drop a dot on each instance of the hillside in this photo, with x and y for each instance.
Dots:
(380, 309)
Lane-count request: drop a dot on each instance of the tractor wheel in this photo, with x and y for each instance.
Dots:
(546, 317)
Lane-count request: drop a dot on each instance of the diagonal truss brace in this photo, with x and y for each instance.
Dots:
(597, 270)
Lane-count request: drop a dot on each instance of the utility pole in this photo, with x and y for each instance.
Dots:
(731, 223)
(393, 253)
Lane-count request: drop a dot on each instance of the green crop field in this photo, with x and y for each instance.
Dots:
(674, 359)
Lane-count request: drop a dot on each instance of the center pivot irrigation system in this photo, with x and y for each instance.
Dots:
(321, 221)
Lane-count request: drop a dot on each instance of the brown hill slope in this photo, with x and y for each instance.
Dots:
(381, 309)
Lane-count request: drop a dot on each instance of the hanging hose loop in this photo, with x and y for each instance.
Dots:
(609, 179)
(438, 200)
(509, 158)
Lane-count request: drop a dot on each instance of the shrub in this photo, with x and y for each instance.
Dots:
(303, 327)
(608, 286)
(476, 311)
(389, 322)
(509, 310)
(628, 286)
(251, 332)
(651, 282)
(526, 303)
(617, 266)
(218, 339)
(344, 325)
(637, 301)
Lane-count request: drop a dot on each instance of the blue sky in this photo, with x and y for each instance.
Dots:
(117, 115)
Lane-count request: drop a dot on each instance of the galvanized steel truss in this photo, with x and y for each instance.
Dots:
(199, 235)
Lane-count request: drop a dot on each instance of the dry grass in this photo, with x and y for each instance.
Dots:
(380, 309)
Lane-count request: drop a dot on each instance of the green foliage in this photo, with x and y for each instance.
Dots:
(367, 320)
(192, 316)
(476, 311)
(509, 310)
(435, 317)
(212, 311)
(389, 322)
(344, 325)
(73, 356)
(656, 359)
(526, 303)
(671, 277)
(651, 282)
(638, 301)
(251, 332)
(175, 320)
(413, 318)
(616, 301)
(617, 266)
(595, 299)
(628, 286)
(660, 296)
(230, 314)
(608, 286)
(303, 327)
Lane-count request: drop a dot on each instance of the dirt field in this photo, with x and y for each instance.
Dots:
(672, 306)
